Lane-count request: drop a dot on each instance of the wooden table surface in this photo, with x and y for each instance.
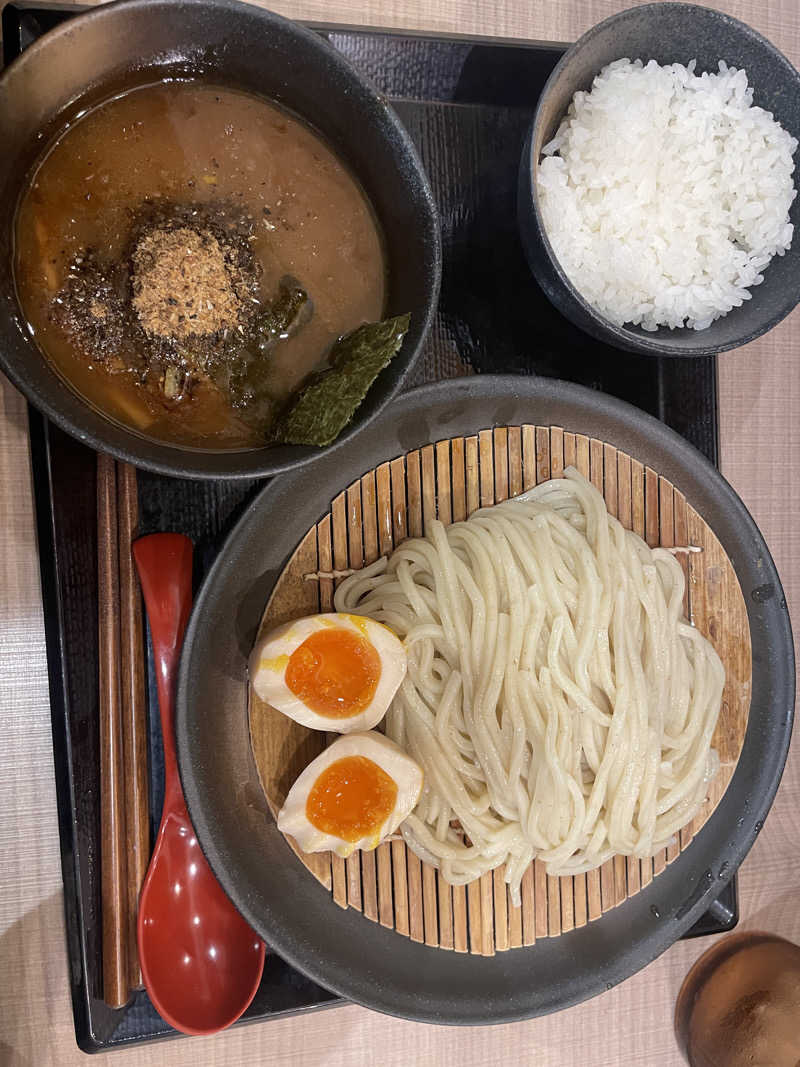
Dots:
(631, 1024)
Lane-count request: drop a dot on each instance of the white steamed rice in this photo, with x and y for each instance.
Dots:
(665, 194)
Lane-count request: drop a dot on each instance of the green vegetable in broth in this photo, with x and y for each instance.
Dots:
(246, 378)
(246, 382)
(325, 406)
(290, 310)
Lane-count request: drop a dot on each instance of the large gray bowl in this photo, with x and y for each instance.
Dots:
(345, 951)
(246, 47)
(668, 33)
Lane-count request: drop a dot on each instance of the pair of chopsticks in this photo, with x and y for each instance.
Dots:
(124, 821)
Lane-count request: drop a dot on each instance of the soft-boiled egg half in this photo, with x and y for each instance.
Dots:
(353, 795)
(332, 672)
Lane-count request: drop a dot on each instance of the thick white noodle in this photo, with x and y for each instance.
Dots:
(558, 702)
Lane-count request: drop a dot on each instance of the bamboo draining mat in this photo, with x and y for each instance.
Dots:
(449, 480)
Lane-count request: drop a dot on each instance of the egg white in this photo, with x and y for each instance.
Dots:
(270, 658)
(401, 768)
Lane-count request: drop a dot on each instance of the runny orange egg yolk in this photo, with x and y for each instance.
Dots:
(335, 672)
(351, 799)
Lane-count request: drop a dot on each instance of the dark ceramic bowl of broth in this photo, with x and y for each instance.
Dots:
(220, 131)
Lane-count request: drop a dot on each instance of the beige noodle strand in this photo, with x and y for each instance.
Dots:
(559, 703)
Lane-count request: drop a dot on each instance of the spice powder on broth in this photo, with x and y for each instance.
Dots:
(155, 230)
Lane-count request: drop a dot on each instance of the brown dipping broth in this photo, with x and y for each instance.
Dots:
(195, 143)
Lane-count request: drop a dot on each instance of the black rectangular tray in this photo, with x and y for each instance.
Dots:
(467, 104)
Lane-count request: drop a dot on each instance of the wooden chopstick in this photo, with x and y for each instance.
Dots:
(112, 792)
(134, 711)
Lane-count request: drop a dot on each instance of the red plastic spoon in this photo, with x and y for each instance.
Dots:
(200, 961)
